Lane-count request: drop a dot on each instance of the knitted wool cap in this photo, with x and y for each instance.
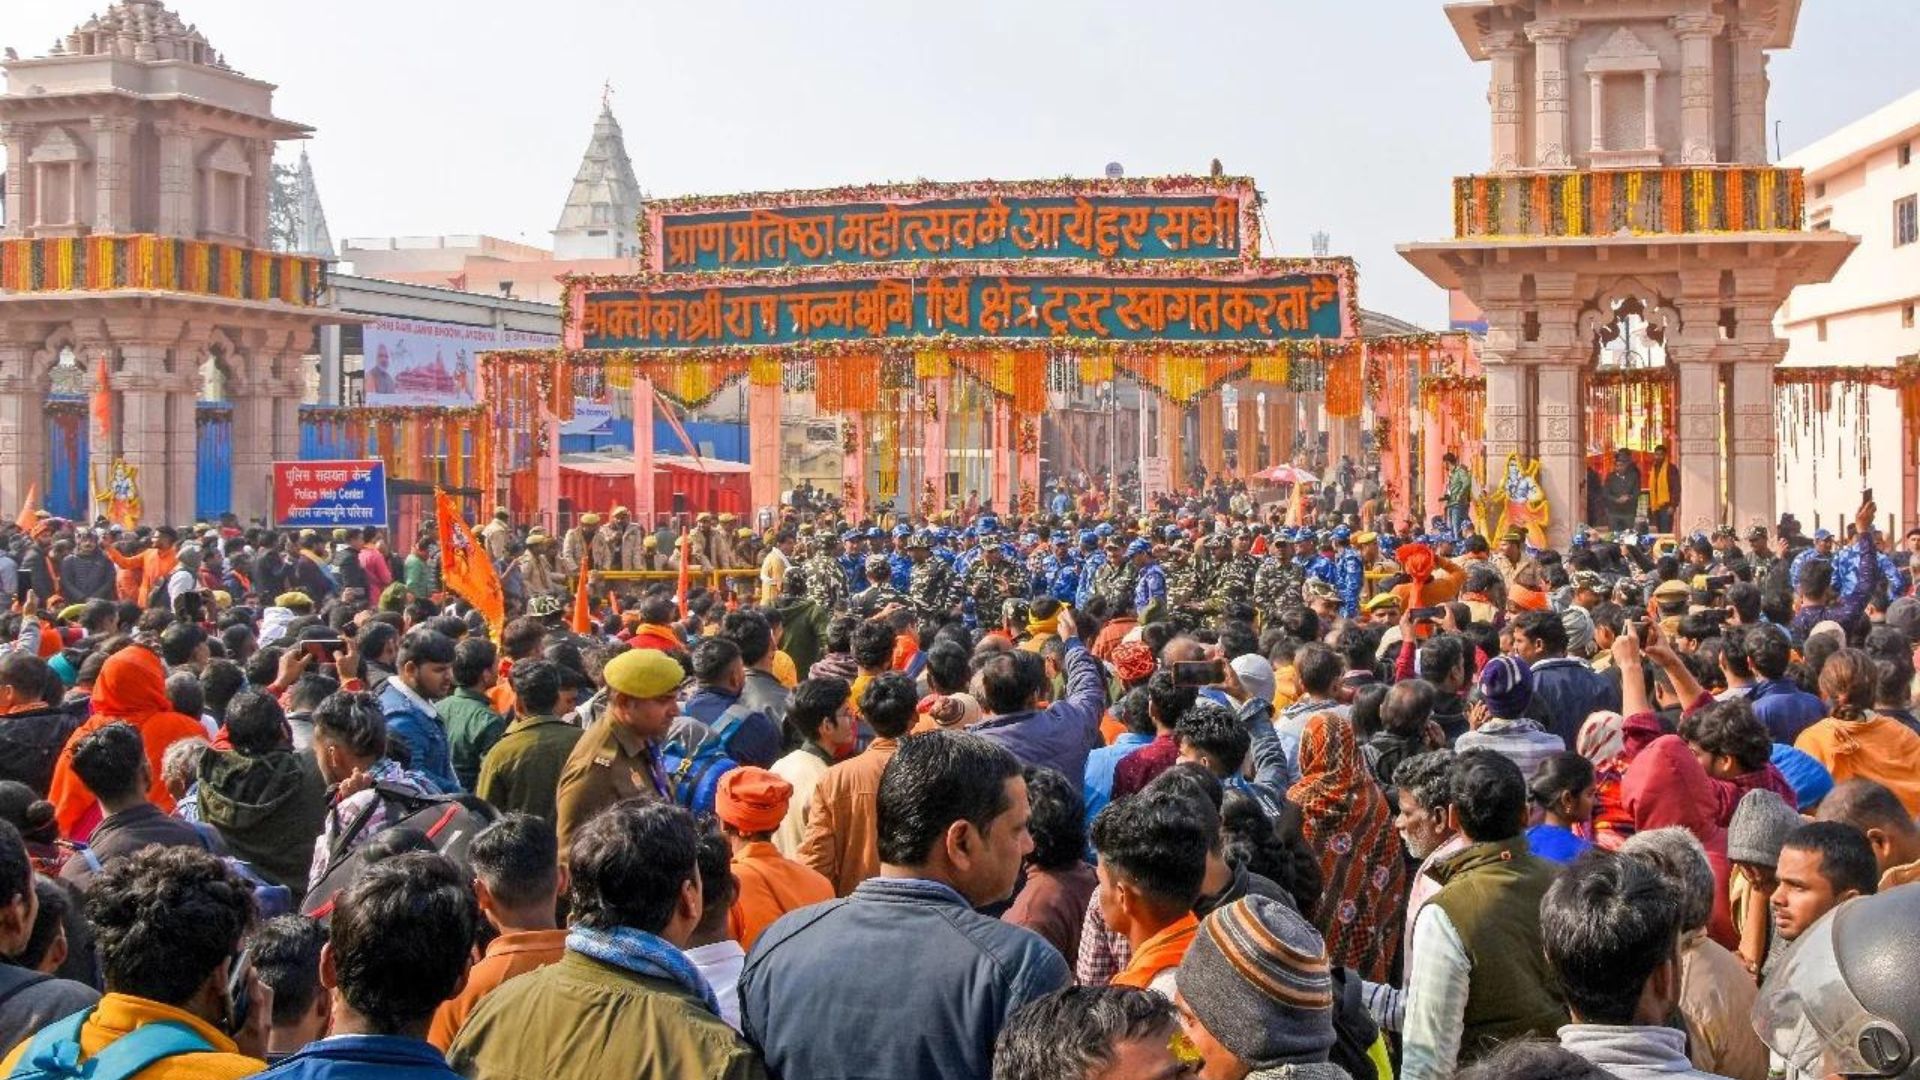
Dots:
(1257, 977)
(1759, 826)
(1809, 779)
(1506, 685)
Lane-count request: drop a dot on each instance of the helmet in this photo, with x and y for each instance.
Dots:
(1845, 1002)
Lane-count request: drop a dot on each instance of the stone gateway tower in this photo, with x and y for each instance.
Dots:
(1631, 200)
(136, 251)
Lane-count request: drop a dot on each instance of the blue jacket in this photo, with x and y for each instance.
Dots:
(372, 1057)
(1060, 736)
(755, 742)
(1785, 709)
(820, 980)
(424, 733)
(1096, 783)
(1565, 692)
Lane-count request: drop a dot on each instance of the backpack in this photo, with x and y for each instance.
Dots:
(268, 899)
(449, 821)
(54, 1054)
(694, 776)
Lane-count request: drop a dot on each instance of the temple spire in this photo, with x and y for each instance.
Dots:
(310, 219)
(601, 218)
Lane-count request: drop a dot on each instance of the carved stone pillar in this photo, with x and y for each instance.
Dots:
(1750, 480)
(112, 174)
(763, 439)
(1650, 91)
(1596, 112)
(1509, 414)
(251, 394)
(289, 389)
(18, 138)
(1553, 120)
(1172, 437)
(1698, 456)
(1562, 446)
(1697, 31)
(142, 418)
(183, 441)
(1750, 94)
(1247, 436)
(22, 423)
(178, 213)
(1279, 426)
(1213, 435)
(1509, 127)
(258, 186)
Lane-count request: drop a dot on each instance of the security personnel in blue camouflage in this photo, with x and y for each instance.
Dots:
(1349, 572)
(853, 561)
(1150, 587)
(1063, 571)
(898, 559)
(1092, 561)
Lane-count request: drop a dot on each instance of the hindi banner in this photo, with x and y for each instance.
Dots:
(1089, 220)
(1295, 306)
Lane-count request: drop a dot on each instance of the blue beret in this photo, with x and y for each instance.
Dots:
(1138, 547)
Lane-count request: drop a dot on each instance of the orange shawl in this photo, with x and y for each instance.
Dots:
(1158, 953)
(132, 689)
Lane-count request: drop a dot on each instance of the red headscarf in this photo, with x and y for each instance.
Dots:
(132, 689)
(1347, 823)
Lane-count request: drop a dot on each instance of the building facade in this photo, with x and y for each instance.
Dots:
(1630, 185)
(1862, 180)
(137, 251)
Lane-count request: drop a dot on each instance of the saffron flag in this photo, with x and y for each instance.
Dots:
(464, 566)
(582, 603)
(26, 521)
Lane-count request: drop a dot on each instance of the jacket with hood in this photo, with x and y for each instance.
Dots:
(268, 807)
(132, 689)
(1665, 786)
(30, 744)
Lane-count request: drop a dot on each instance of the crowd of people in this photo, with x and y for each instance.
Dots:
(1065, 796)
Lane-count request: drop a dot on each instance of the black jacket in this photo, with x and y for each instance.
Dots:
(30, 742)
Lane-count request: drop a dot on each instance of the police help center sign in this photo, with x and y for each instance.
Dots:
(329, 494)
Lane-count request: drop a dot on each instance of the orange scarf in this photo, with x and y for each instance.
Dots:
(1158, 953)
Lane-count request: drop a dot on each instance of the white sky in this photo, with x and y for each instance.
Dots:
(463, 116)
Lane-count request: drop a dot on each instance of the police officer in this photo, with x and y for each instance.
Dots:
(930, 586)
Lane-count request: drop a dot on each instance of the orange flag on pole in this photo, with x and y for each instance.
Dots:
(26, 520)
(464, 567)
(582, 603)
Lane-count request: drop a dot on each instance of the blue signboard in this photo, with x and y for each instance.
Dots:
(1284, 307)
(329, 494)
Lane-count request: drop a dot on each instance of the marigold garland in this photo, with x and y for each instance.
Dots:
(1637, 202)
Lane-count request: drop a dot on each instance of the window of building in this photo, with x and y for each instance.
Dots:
(1906, 221)
(1906, 316)
(1819, 189)
(1905, 154)
(1820, 329)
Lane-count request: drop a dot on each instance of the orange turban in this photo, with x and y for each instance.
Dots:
(1526, 599)
(752, 800)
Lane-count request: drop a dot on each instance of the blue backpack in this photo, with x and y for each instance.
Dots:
(694, 775)
(269, 899)
(54, 1054)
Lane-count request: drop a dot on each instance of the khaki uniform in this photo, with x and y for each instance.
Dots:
(608, 765)
(496, 535)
